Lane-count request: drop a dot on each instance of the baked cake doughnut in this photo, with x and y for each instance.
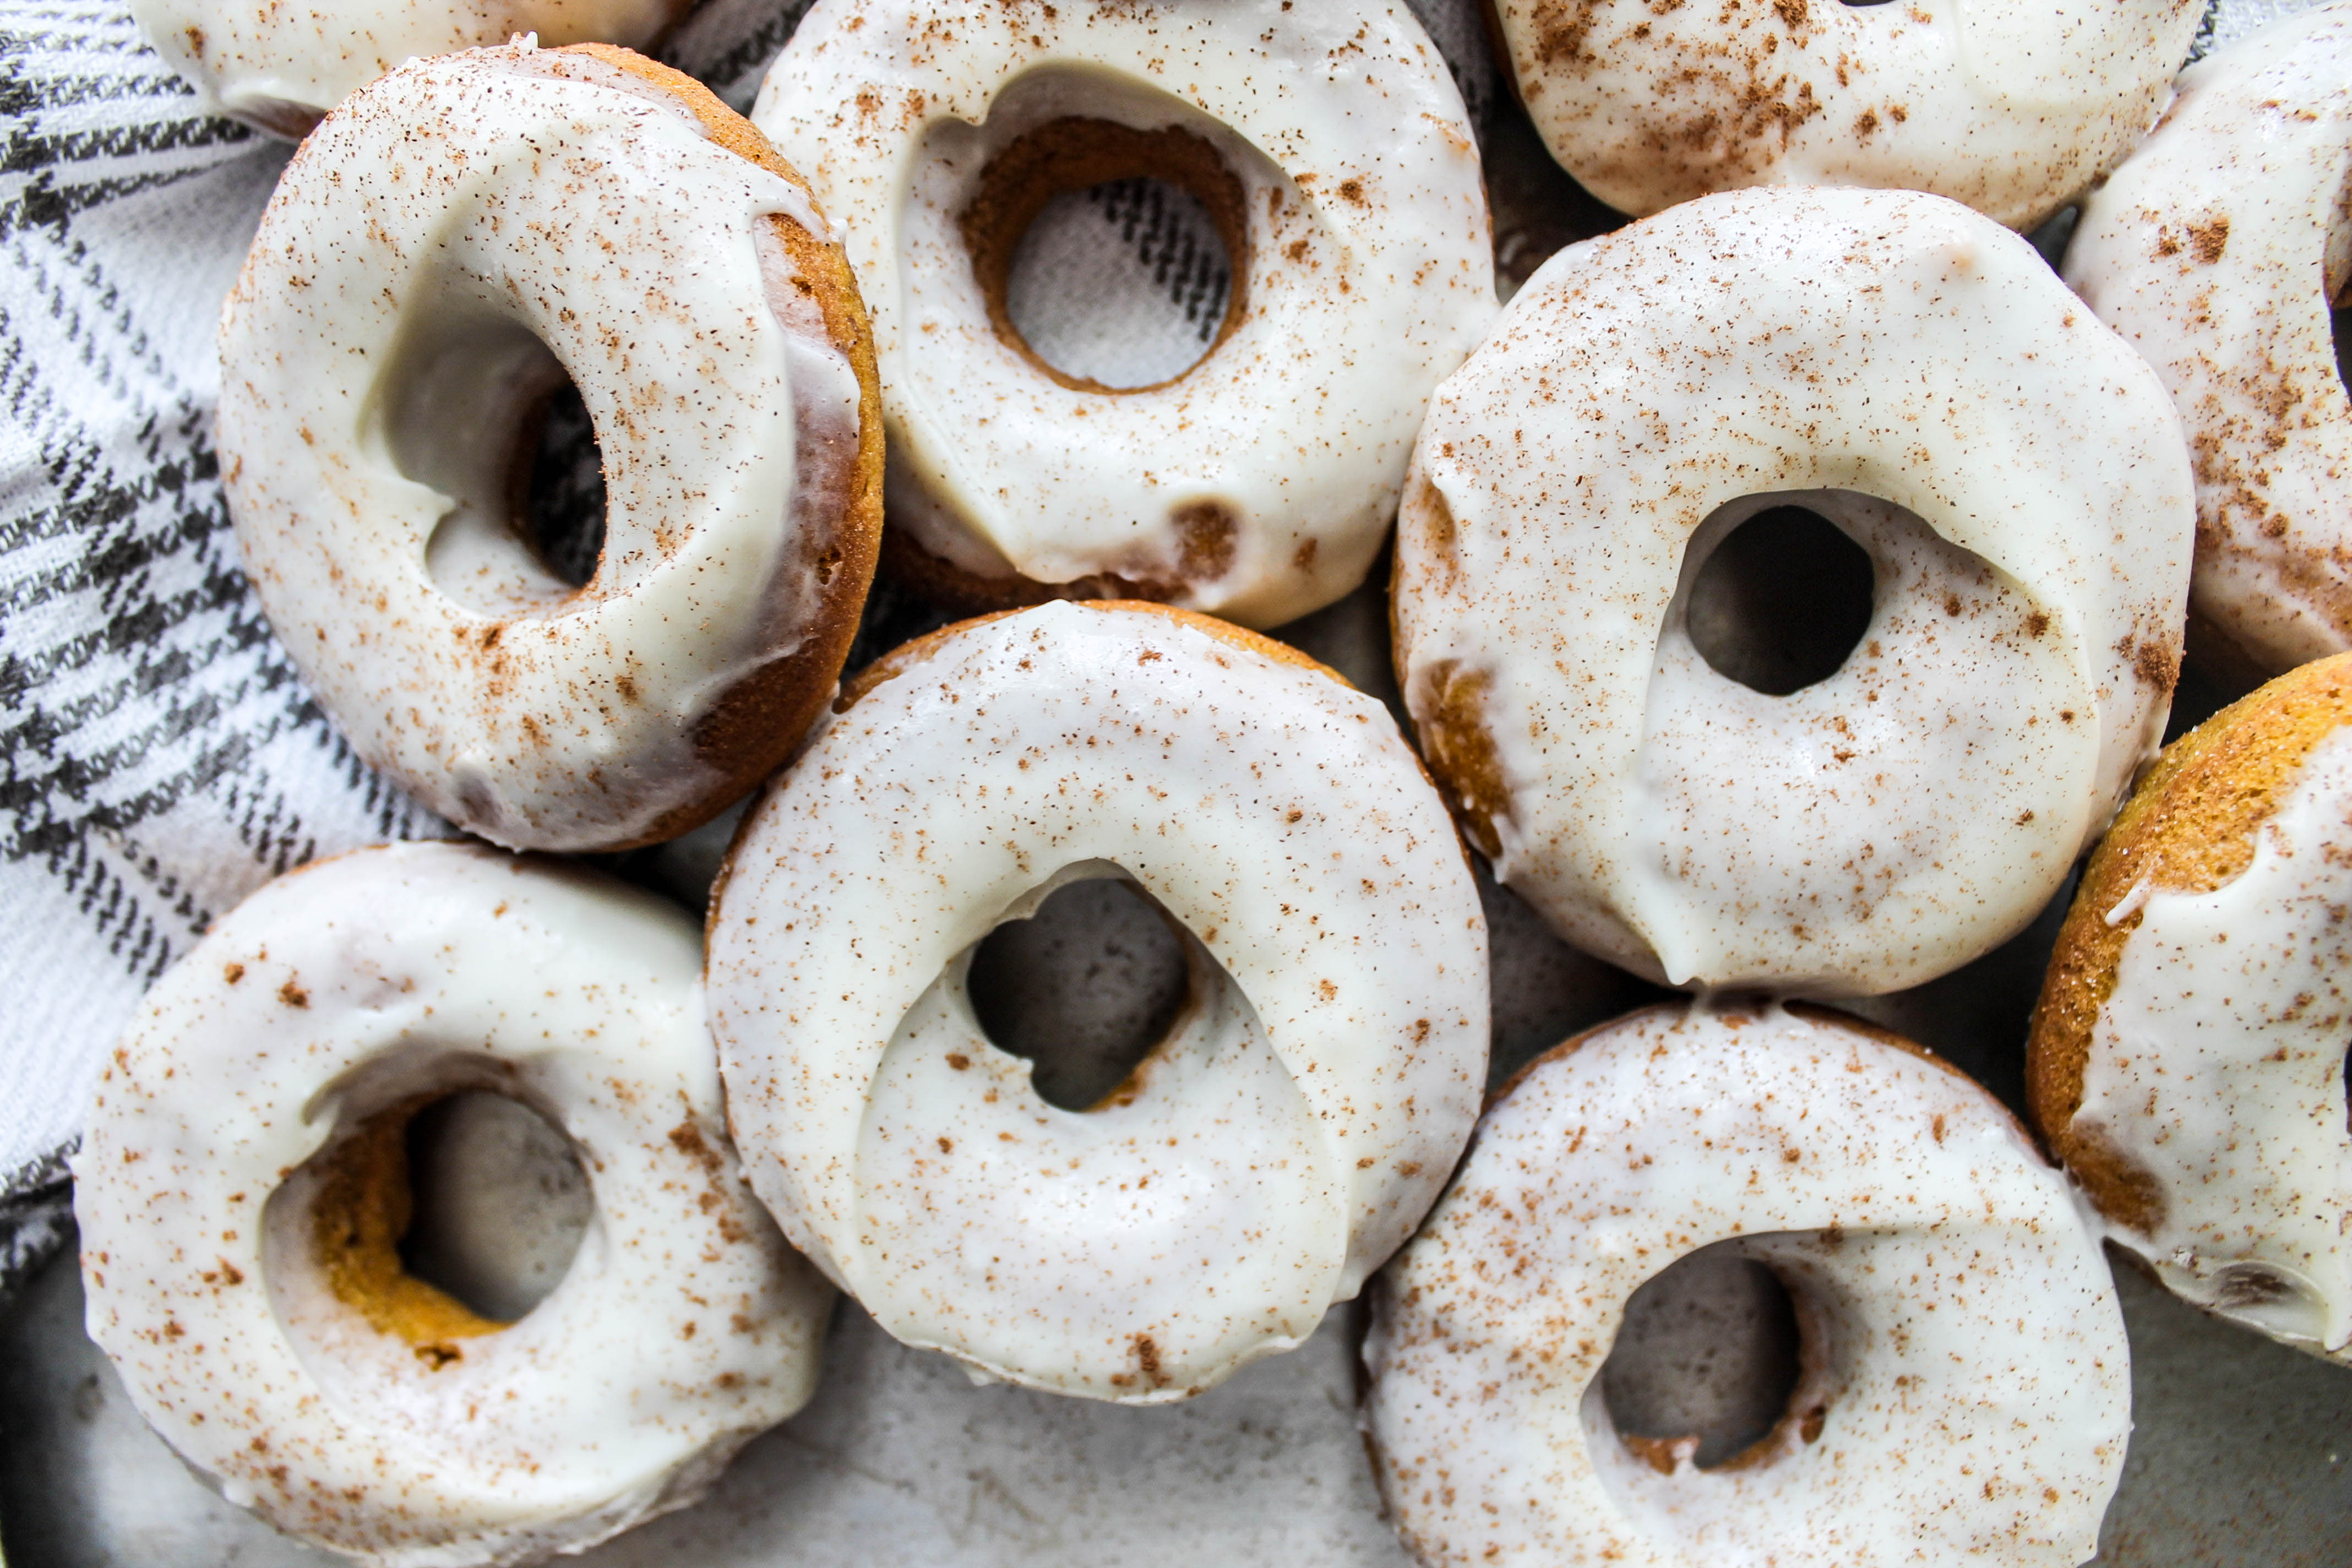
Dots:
(1964, 1390)
(1329, 146)
(242, 1187)
(2010, 106)
(408, 301)
(1911, 374)
(2187, 1061)
(2217, 251)
(1283, 1136)
(281, 66)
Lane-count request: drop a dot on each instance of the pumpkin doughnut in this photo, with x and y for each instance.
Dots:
(242, 1187)
(1287, 1131)
(1329, 146)
(406, 305)
(2010, 105)
(2187, 1060)
(281, 67)
(1914, 376)
(1963, 1387)
(2217, 251)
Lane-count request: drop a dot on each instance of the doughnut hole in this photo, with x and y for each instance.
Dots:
(1085, 989)
(2340, 327)
(559, 477)
(497, 1203)
(1706, 1362)
(1124, 284)
(439, 1219)
(1780, 601)
(478, 408)
(1107, 256)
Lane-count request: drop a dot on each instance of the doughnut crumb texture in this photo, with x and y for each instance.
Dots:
(242, 1189)
(1330, 149)
(1963, 1391)
(1282, 1138)
(2219, 251)
(1910, 374)
(411, 298)
(2187, 1061)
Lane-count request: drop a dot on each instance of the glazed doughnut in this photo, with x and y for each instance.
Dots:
(1281, 1139)
(1330, 147)
(2187, 1060)
(1964, 1388)
(407, 304)
(1909, 371)
(2011, 107)
(281, 67)
(242, 1187)
(2217, 251)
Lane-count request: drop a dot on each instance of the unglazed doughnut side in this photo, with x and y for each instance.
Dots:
(1963, 1387)
(241, 1192)
(2217, 250)
(1363, 272)
(737, 414)
(2187, 1059)
(1776, 349)
(1311, 1097)
(2012, 108)
(282, 67)
(2190, 825)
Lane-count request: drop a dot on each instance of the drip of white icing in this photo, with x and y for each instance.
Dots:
(2217, 1066)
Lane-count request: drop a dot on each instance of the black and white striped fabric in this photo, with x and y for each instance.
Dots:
(162, 759)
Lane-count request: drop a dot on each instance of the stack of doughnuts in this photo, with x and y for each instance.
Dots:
(1787, 590)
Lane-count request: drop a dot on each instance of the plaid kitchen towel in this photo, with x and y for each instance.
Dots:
(159, 759)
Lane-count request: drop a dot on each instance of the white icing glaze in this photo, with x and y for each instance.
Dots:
(2217, 1068)
(281, 66)
(1917, 808)
(1370, 277)
(392, 322)
(1965, 1342)
(682, 1327)
(1282, 1142)
(2010, 106)
(2216, 250)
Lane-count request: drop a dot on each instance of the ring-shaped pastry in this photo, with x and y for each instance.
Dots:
(1964, 1390)
(1329, 146)
(1914, 374)
(407, 302)
(2011, 107)
(2217, 251)
(1285, 1136)
(2187, 1060)
(241, 1190)
(281, 67)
